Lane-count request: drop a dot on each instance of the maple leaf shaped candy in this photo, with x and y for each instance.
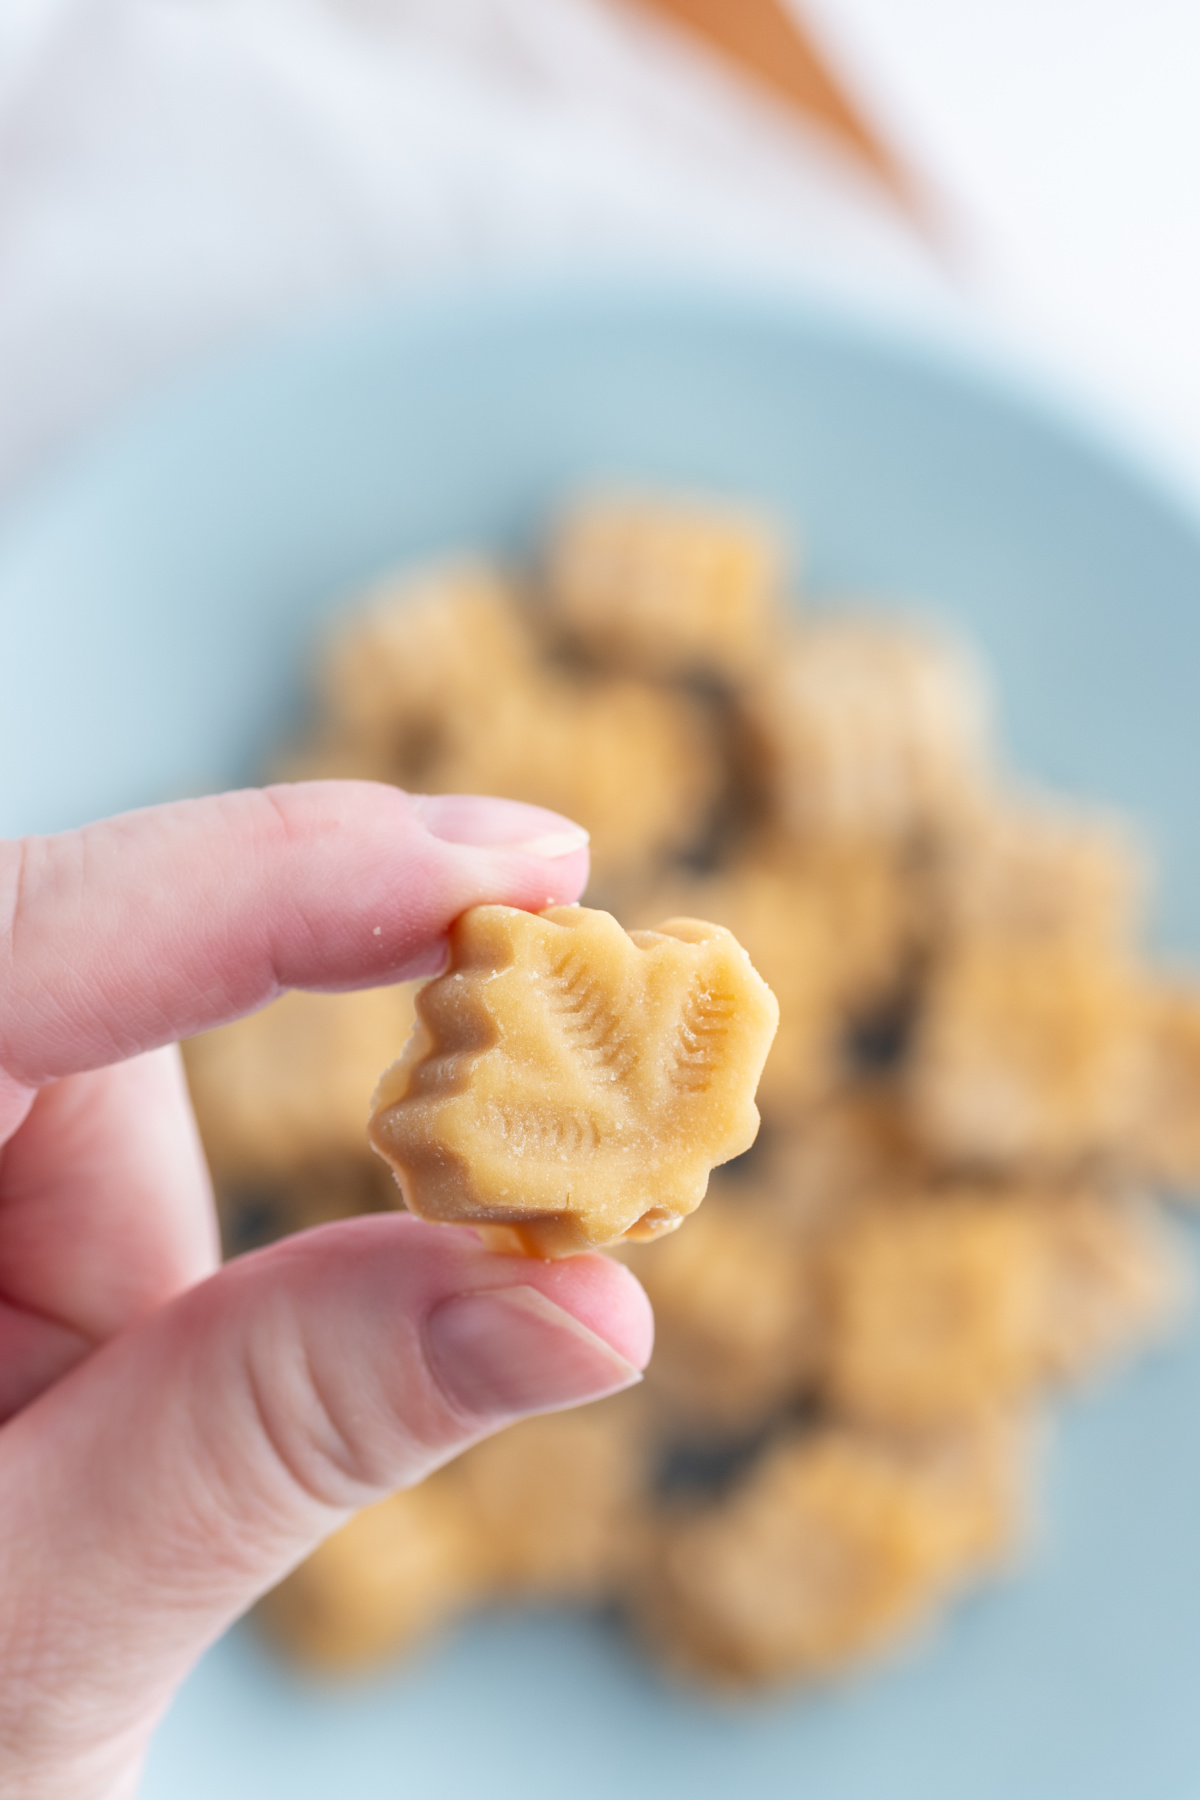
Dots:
(569, 1083)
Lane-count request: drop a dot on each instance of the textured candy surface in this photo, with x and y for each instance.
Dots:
(666, 587)
(572, 1082)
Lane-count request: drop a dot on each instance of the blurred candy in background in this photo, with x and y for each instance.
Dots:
(173, 175)
(944, 1221)
(986, 1073)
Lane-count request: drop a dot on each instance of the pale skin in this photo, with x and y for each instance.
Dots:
(175, 1438)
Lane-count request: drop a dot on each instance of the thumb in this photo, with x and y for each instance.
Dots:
(169, 1480)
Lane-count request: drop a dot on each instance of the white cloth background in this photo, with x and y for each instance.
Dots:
(1067, 136)
(177, 173)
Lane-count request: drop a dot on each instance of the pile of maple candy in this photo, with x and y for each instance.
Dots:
(977, 1085)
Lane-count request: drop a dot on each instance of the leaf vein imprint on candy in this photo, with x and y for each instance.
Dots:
(588, 1022)
(569, 1083)
(703, 1025)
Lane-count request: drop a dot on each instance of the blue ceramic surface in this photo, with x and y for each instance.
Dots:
(156, 598)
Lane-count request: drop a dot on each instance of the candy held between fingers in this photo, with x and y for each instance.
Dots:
(572, 1083)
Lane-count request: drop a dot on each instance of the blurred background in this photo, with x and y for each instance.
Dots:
(179, 178)
(859, 1341)
(175, 174)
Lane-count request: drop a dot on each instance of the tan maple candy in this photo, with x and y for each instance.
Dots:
(1114, 1278)
(1166, 1136)
(547, 1508)
(871, 729)
(666, 587)
(835, 1544)
(945, 1305)
(936, 1228)
(440, 686)
(289, 1088)
(419, 646)
(571, 1082)
(1029, 1052)
(830, 928)
(394, 1574)
(737, 1311)
(1036, 872)
(634, 764)
(857, 1146)
(556, 1499)
(934, 1310)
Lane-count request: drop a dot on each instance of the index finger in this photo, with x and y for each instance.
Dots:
(160, 923)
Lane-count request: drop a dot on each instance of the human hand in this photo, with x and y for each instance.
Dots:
(174, 1439)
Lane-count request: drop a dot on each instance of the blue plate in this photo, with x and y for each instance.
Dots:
(156, 598)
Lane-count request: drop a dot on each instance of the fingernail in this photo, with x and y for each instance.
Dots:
(510, 1350)
(492, 823)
